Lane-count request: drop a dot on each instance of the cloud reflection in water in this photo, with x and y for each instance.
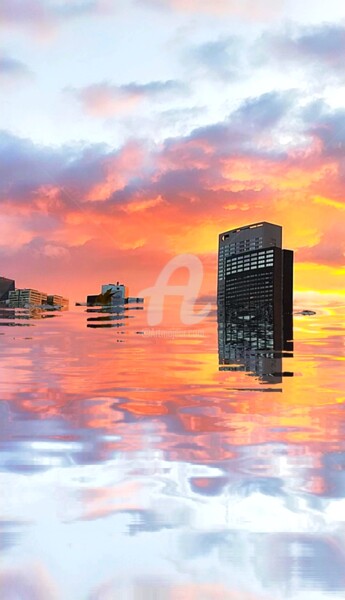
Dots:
(154, 474)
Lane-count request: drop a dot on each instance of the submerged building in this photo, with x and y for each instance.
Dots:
(254, 297)
(6, 286)
(112, 294)
(28, 297)
(21, 298)
(58, 301)
(111, 307)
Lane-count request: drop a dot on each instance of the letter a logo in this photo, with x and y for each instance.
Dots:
(189, 292)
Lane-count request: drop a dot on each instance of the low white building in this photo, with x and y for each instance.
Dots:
(118, 291)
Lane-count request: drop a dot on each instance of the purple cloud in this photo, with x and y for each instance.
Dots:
(41, 13)
(26, 167)
(183, 171)
(322, 47)
(328, 127)
(179, 170)
(12, 69)
(220, 59)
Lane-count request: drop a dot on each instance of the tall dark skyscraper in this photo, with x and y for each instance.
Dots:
(6, 286)
(255, 288)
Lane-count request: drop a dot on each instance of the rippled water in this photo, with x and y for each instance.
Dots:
(133, 467)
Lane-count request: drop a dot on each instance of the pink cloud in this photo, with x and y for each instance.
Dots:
(44, 15)
(55, 251)
(106, 100)
(12, 235)
(253, 9)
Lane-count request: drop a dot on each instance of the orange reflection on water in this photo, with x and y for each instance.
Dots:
(94, 378)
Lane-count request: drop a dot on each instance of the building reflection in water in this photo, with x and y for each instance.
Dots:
(18, 317)
(111, 316)
(255, 344)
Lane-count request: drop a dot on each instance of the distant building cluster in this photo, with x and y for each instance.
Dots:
(27, 297)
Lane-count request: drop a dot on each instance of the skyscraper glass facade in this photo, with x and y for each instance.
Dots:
(255, 278)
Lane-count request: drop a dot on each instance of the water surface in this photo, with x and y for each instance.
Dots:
(133, 467)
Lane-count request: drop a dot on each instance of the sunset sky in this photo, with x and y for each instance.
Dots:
(136, 130)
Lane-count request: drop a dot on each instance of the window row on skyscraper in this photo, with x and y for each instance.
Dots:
(243, 246)
(253, 261)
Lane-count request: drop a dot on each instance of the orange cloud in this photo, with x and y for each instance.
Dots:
(89, 214)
